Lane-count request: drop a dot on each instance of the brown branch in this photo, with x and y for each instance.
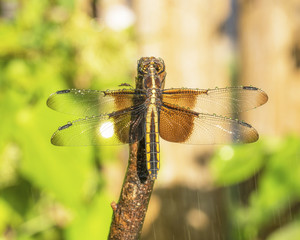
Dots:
(129, 213)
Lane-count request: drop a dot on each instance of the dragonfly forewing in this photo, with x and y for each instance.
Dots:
(216, 101)
(93, 102)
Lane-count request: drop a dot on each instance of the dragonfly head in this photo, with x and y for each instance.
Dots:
(152, 71)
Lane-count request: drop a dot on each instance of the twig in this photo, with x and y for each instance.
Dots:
(129, 213)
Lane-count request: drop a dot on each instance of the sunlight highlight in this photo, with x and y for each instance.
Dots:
(107, 129)
(226, 153)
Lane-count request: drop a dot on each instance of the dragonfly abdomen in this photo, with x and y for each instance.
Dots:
(152, 141)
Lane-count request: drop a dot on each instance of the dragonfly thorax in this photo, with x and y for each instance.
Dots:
(152, 81)
(153, 96)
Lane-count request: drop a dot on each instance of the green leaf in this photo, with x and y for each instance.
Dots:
(233, 164)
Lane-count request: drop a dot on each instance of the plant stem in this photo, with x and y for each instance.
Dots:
(129, 213)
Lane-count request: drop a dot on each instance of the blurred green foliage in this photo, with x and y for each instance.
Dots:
(273, 165)
(48, 192)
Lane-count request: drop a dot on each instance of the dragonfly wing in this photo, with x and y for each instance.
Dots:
(94, 102)
(126, 126)
(185, 126)
(218, 100)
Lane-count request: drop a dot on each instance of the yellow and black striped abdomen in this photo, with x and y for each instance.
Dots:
(152, 141)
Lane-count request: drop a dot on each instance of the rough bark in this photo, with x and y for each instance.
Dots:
(129, 213)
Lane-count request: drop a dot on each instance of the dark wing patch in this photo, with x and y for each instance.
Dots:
(175, 125)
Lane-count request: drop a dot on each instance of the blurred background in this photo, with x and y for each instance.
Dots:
(202, 192)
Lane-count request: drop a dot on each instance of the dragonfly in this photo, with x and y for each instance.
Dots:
(150, 112)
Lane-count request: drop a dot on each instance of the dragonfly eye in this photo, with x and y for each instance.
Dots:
(143, 68)
(159, 67)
